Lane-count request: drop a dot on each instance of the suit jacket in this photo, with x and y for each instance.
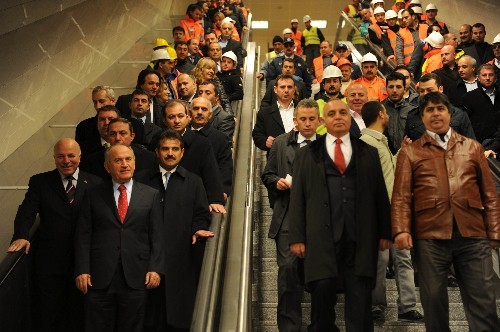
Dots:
(223, 155)
(270, 96)
(123, 106)
(223, 122)
(484, 116)
(276, 65)
(46, 197)
(268, 123)
(199, 158)
(94, 163)
(235, 46)
(88, 137)
(185, 210)
(487, 55)
(279, 164)
(102, 241)
(453, 85)
(309, 214)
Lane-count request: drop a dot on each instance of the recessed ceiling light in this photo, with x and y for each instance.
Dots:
(260, 24)
(319, 23)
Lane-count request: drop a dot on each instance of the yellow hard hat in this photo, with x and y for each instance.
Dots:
(172, 53)
(160, 42)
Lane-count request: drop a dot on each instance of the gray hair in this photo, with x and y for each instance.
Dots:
(471, 60)
(108, 150)
(109, 92)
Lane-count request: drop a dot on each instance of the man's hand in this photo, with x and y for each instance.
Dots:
(219, 208)
(298, 249)
(18, 245)
(384, 244)
(490, 153)
(391, 58)
(403, 241)
(406, 141)
(83, 282)
(245, 28)
(201, 233)
(152, 280)
(495, 244)
(260, 76)
(282, 184)
(269, 142)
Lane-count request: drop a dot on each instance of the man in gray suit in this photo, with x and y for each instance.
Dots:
(277, 179)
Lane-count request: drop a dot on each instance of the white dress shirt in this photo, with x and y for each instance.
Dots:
(116, 191)
(287, 116)
(359, 119)
(444, 144)
(75, 178)
(301, 139)
(345, 146)
(163, 177)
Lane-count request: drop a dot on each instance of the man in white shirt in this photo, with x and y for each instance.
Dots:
(356, 96)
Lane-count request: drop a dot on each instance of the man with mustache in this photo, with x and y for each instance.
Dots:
(186, 221)
(374, 84)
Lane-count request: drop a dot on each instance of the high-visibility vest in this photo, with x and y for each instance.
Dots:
(432, 62)
(297, 37)
(376, 88)
(192, 29)
(391, 35)
(422, 30)
(319, 66)
(311, 36)
(408, 44)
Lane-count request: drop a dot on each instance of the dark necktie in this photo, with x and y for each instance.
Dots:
(148, 115)
(307, 141)
(122, 202)
(442, 137)
(70, 189)
(339, 156)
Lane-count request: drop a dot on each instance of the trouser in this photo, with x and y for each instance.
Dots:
(118, 307)
(471, 258)
(357, 290)
(311, 52)
(290, 289)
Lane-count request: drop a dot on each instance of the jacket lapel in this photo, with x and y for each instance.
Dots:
(57, 186)
(275, 115)
(134, 200)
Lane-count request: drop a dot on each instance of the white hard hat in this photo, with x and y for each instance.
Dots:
(331, 71)
(230, 55)
(415, 2)
(306, 18)
(369, 57)
(378, 10)
(390, 14)
(287, 30)
(496, 40)
(160, 54)
(294, 20)
(377, 1)
(431, 6)
(417, 9)
(435, 39)
(400, 13)
(228, 20)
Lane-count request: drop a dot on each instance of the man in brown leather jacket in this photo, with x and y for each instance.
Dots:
(444, 198)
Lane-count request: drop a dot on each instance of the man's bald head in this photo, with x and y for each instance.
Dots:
(356, 96)
(67, 156)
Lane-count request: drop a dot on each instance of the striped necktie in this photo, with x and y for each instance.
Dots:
(70, 189)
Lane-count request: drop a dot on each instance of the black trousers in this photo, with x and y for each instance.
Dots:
(118, 307)
(358, 304)
(471, 258)
(290, 285)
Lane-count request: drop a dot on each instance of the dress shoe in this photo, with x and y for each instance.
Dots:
(411, 316)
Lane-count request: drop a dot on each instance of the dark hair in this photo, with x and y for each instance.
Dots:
(140, 92)
(141, 78)
(169, 134)
(478, 25)
(177, 28)
(209, 31)
(173, 102)
(370, 111)
(180, 42)
(395, 76)
(435, 98)
(290, 60)
(430, 28)
(122, 120)
(109, 108)
(431, 76)
(410, 11)
(192, 7)
(207, 82)
(283, 77)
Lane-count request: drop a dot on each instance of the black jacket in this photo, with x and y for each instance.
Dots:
(268, 123)
(275, 68)
(232, 83)
(235, 46)
(123, 106)
(88, 137)
(484, 116)
(223, 122)
(453, 85)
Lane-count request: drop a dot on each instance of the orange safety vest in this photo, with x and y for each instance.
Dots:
(192, 29)
(297, 37)
(392, 39)
(422, 30)
(376, 88)
(432, 62)
(408, 44)
(319, 67)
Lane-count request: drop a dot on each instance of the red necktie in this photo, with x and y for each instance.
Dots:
(339, 156)
(122, 202)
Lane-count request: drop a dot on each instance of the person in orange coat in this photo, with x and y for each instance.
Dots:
(435, 43)
(373, 83)
(192, 23)
(297, 37)
(326, 58)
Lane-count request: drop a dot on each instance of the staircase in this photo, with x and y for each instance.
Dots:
(265, 269)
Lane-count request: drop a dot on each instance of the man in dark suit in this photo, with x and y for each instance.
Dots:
(276, 119)
(120, 131)
(221, 120)
(201, 112)
(199, 156)
(56, 197)
(356, 96)
(87, 132)
(278, 181)
(118, 247)
(339, 218)
(302, 91)
(97, 140)
(228, 44)
(480, 50)
(148, 80)
(146, 131)
(186, 220)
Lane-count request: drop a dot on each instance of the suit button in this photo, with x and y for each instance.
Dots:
(344, 188)
(344, 200)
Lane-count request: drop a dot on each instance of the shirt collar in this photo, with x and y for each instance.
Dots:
(281, 108)
(346, 139)
(437, 138)
(75, 175)
(301, 138)
(128, 185)
(163, 170)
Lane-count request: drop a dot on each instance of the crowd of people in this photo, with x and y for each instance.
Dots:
(126, 211)
(338, 158)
